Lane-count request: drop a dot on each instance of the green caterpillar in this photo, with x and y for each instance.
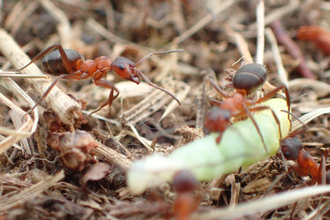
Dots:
(240, 145)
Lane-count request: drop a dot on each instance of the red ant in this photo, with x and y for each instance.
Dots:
(292, 149)
(247, 80)
(184, 183)
(70, 65)
(316, 34)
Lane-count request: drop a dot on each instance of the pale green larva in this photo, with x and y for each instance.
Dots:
(240, 145)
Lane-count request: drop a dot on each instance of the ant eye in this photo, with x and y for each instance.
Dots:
(121, 66)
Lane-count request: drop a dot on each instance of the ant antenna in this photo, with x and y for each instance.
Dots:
(145, 78)
(239, 60)
(293, 115)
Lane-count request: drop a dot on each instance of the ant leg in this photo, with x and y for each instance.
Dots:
(284, 160)
(219, 90)
(158, 53)
(260, 108)
(247, 112)
(47, 50)
(272, 93)
(145, 78)
(218, 139)
(305, 128)
(108, 85)
(68, 77)
(107, 102)
(215, 102)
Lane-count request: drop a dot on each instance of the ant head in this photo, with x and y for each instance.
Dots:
(250, 78)
(217, 119)
(291, 147)
(125, 68)
(184, 181)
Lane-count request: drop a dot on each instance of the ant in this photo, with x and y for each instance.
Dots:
(71, 65)
(247, 80)
(292, 149)
(184, 183)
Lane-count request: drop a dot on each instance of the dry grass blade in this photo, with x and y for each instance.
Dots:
(320, 211)
(268, 203)
(15, 135)
(64, 106)
(14, 145)
(16, 119)
(143, 140)
(17, 114)
(29, 126)
(21, 95)
(29, 193)
(309, 117)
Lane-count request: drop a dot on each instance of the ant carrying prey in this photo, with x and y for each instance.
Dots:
(71, 65)
(247, 80)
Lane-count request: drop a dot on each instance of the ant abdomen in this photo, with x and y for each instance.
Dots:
(250, 78)
(53, 63)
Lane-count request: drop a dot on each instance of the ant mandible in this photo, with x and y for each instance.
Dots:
(292, 149)
(71, 65)
(247, 80)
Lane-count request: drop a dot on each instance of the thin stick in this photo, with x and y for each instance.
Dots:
(278, 13)
(14, 75)
(261, 32)
(66, 108)
(282, 73)
(112, 157)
